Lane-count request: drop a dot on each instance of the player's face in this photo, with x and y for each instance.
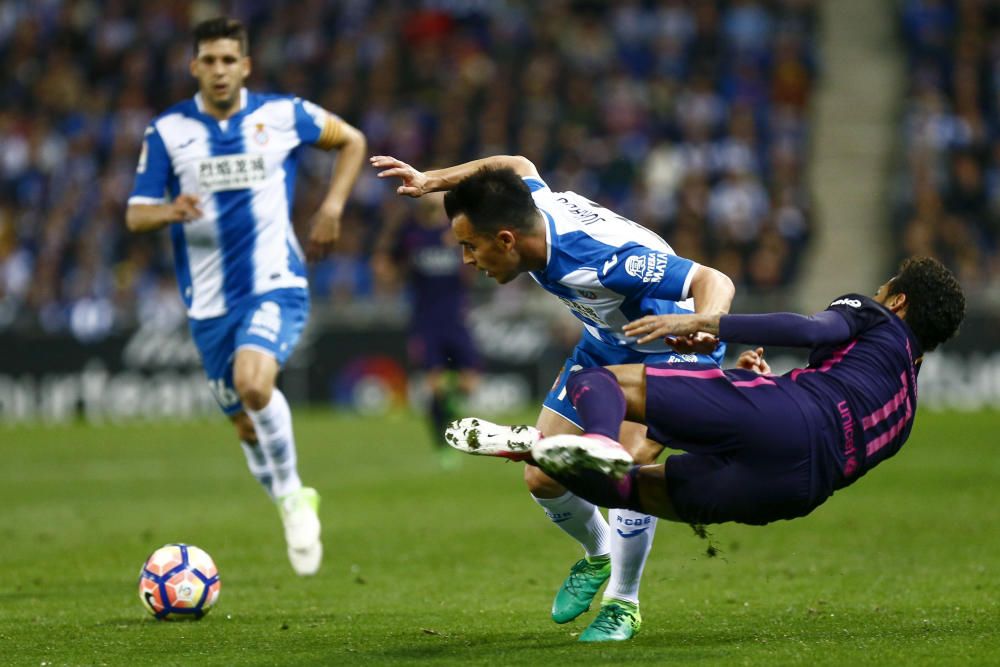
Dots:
(221, 68)
(493, 254)
(894, 302)
(882, 294)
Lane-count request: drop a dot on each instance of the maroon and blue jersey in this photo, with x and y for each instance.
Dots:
(862, 371)
(435, 275)
(869, 382)
(759, 448)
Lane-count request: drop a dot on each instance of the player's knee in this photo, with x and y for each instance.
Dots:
(255, 393)
(646, 452)
(541, 485)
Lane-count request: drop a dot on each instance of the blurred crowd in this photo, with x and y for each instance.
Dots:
(946, 200)
(689, 116)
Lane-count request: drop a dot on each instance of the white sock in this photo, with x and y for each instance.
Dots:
(273, 425)
(257, 463)
(631, 540)
(580, 519)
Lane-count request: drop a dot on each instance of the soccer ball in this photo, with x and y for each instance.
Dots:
(179, 581)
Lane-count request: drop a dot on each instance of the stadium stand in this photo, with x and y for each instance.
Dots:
(946, 190)
(691, 117)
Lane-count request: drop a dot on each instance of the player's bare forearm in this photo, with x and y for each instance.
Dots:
(351, 158)
(655, 327)
(146, 217)
(445, 179)
(417, 183)
(150, 217)
(712, 291)
(325, 229)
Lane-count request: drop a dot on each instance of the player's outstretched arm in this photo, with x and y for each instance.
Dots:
(786, 329)
(324, 231)
(655, 327)
(150, 217)
(418, 183)
(713, 293)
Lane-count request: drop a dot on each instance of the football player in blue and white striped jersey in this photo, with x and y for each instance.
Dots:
(608, 271)
(219, 171)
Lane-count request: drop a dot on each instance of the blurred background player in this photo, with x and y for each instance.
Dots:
(424, 252)
(219, 170)
(607, 270)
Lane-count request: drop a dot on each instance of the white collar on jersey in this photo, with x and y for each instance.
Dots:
(549, 222)
(201, 104)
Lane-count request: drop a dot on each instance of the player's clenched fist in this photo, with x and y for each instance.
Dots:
(185, 208)
(753, 360)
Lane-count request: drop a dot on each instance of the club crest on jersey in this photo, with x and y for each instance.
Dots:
(260, 135)
(635, 265)
(648, 268)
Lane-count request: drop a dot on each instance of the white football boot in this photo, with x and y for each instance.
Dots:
(299, 514)
(568, 453)
(482, 438)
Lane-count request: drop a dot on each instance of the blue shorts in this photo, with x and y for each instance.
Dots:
(590, 354)
(755, 446)
(271, 323)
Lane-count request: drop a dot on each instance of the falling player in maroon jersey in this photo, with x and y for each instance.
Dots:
(759, 447)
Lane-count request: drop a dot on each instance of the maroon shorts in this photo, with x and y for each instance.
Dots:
(753, 452)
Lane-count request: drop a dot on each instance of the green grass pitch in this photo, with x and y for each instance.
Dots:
(459, 567)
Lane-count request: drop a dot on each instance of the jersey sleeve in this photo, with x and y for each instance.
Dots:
(641, 272)
(317, 126)
(153, 171)
(787, 329)
(534, 184)
(845, 318)
(861, 312)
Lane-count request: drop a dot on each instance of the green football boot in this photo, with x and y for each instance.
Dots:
(617, 621)
(576, 593)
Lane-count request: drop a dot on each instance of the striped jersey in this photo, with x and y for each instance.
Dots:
(868, 384)
(609, 270)
(243, 171)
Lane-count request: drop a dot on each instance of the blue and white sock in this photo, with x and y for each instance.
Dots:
(580, 519)
(631, 539)
(273, 425)
(257, 463)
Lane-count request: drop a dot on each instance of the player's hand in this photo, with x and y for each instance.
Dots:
(753, 360)
(414, 182)
(324, 232)
(697, 343)
(184, 208)
(655, 327)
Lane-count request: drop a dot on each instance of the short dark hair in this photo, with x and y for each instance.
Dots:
(221, 27)
(935, 304)
(492, 199)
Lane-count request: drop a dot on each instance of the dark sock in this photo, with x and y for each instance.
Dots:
(598, 400)
(439, 418)
(603, 490)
